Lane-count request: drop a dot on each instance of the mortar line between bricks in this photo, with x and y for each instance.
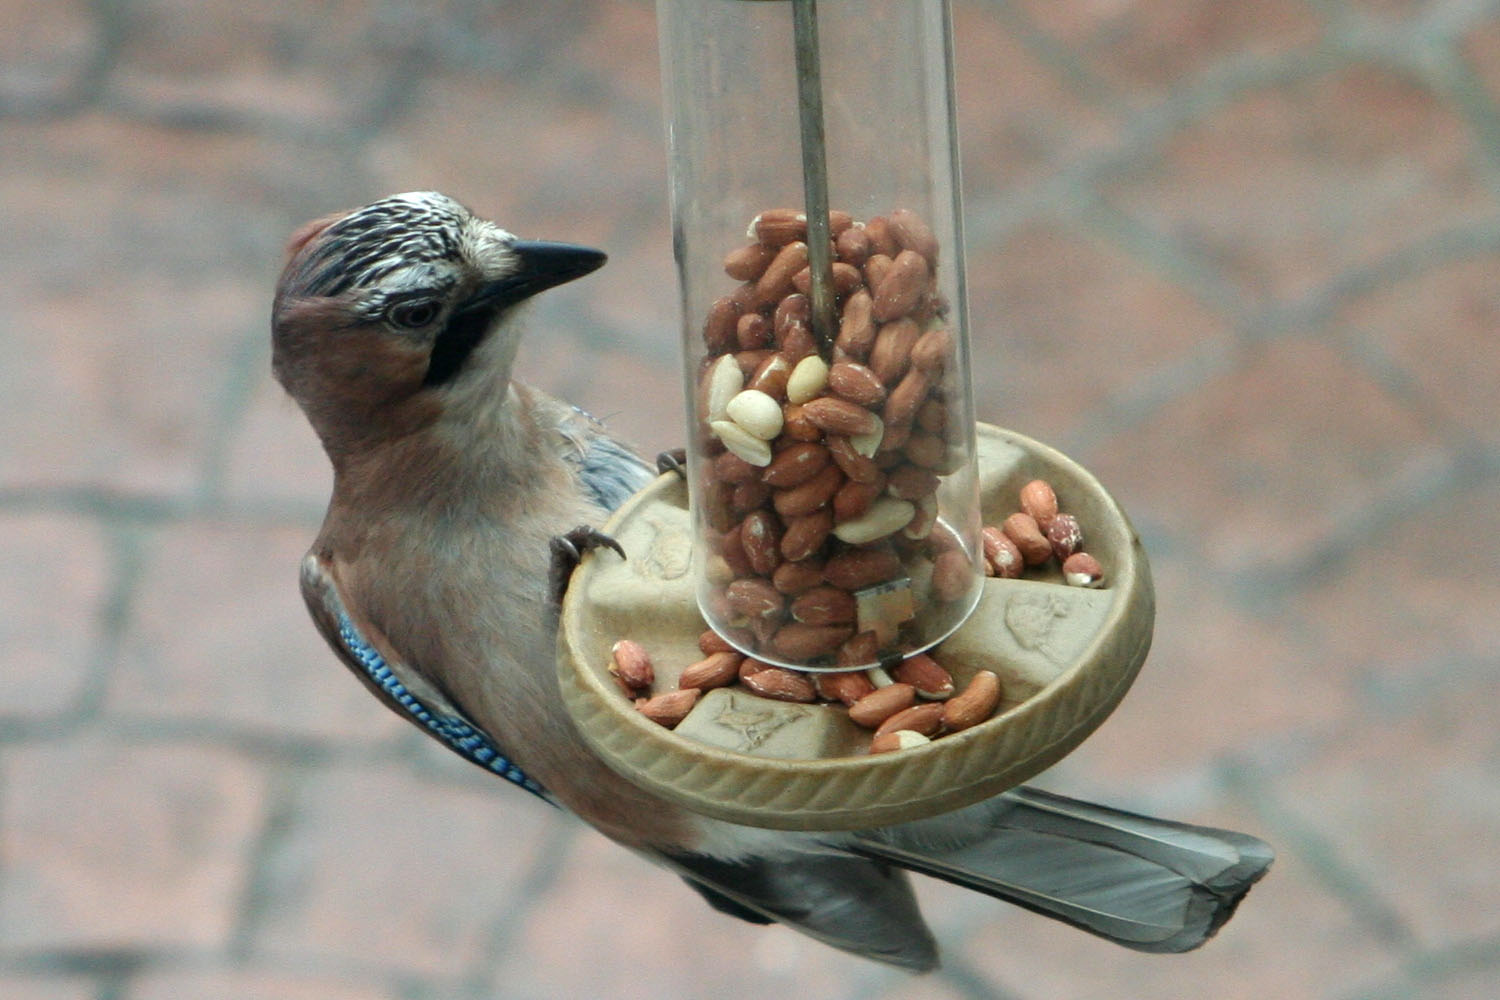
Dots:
(967, 981)
(1278, 320)
(1431, 966)
(257, 897)
(1160, 253)
(993, 218)
(89, 84)
(1344, 881)
(232, 402)
(1066, 68)
(111, 506)
(1423, 48)
(530, 894)
(1398, 382)
(1421, 488)
(128, 546)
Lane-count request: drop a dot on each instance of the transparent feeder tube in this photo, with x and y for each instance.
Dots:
(831, 450)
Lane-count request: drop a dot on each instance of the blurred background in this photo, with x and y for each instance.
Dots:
(1239, 259)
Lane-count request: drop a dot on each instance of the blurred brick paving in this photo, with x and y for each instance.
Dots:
(1240, 259)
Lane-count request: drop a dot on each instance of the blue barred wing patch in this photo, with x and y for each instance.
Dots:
(457, 734)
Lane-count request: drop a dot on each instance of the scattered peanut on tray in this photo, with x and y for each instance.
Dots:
(1036, 534)
(914, 703)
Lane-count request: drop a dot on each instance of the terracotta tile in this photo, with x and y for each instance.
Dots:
(1435, 330)
(1273, 457)
(1141, 49)
(114, 845)
(653, 936)
(1061, 324)
(1288, 186)
(1409, 801)
(380, 869)
(57, 577)
(255, 984)
(220, 635)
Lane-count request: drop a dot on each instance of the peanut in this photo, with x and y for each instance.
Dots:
(748, 262)
(886, 516)
(1001, 554)
(1039, 500)
(781, 684)
(824, 605)
(812, 452)
(901, 287)
(714, 670)
(805, 535)
(900, 739)
(882, 703)
(669, 708)
(847, 686)
(926, 677)
(1065, 535)
(796, 464)
(807, 379)
(1021, 528)
(974, 704)
(926, 719)
(839, 416)
(631, 664)
(1083, 570)
(756, 412)
(951, 573)
(800, 642)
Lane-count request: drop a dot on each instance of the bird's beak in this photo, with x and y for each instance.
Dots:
(539, 266)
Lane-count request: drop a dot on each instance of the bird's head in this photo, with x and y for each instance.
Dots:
(382, 311)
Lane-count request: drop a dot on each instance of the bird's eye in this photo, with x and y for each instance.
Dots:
(413, 314)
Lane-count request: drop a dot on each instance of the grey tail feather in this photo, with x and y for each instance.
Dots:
(1149, 884)
(855, 904)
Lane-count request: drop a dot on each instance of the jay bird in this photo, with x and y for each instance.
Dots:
(456, 496)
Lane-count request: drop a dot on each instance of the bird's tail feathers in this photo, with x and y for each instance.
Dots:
(1148, 884)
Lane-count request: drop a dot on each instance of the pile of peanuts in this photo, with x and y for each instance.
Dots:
(1036, 534)
(915, 703)
(822, 469)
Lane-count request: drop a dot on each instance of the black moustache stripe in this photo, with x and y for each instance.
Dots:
(464, 332)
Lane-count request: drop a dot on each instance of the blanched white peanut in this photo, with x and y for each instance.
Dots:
(752, 449)
(807, 380)
(886, 516)
(756, 412)
(725, 379)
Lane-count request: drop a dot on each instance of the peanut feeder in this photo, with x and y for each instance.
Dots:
(815, 208)
(842, 511)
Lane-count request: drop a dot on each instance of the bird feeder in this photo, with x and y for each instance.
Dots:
(815, 208)
(830, 515)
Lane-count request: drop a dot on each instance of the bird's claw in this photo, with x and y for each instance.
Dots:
(672, 461)
(567, 552)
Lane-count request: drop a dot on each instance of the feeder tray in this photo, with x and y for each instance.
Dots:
(1065, 657)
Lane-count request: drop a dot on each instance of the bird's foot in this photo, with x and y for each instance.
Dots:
(567, 552)
(672, 461)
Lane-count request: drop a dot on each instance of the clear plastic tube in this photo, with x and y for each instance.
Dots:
(831, 445)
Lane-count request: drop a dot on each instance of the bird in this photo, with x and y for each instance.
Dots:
(461, 498)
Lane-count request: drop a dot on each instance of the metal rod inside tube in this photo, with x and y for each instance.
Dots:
(814, 172)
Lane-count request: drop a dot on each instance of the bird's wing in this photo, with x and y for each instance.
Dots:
(855, 904)
(367, 652)
(609, 471)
